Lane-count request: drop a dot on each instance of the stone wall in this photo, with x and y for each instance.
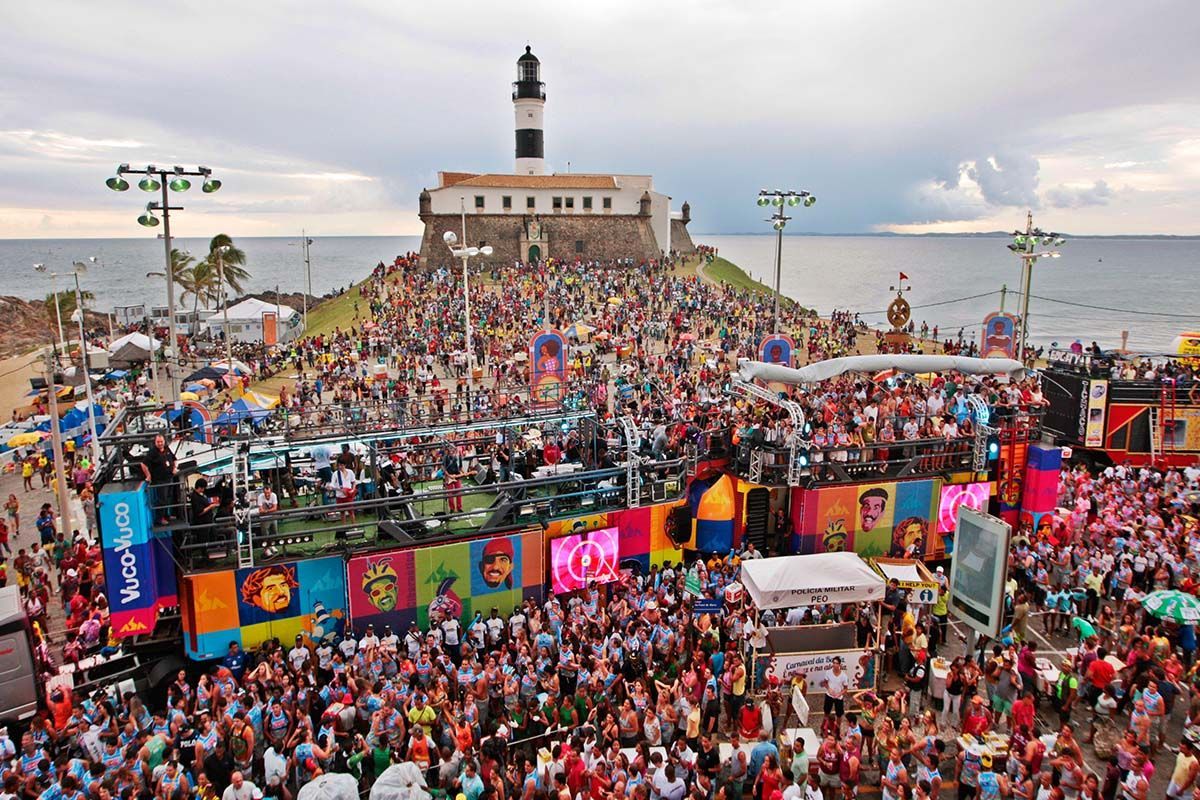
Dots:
(681, 240)
(603, 236)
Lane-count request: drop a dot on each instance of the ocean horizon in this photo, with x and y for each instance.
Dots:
(947, 273)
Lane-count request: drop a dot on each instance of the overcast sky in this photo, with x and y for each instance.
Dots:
(906, 116)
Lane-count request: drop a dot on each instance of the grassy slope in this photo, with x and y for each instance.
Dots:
(723, 271)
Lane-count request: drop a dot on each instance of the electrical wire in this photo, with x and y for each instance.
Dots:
(939, 303)
(1117, 310)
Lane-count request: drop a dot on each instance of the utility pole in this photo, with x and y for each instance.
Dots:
(308, 275)
(60, 471)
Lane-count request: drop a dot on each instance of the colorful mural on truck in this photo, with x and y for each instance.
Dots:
(872, 519)
(249, 606)
(643, 534)
(401, 586)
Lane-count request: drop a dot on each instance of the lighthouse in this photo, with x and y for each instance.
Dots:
(529, 101)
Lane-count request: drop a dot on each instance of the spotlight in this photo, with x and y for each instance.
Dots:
(149, 184)
(210, 185)
(810, 201)
(180, 184)
(763, 200)
(117, 184)
(794, 200)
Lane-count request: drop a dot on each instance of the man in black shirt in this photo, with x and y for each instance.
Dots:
(203, 507)
(708, 760)
(159, 469)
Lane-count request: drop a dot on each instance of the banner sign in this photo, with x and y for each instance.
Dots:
(818, 667)
(129, 571)
(547, 367)
(881, 519)
(999, 335)
(777, 348)
(1097, 404)
(708, 605)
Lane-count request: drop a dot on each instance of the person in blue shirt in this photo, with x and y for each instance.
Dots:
(759, 753)
(235, 660)
(469, 781)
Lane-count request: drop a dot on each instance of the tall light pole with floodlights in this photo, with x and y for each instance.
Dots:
(62, 343)
(1025, 244)
(78, 268)
(160, 179)
(779, 221)
(466, 253)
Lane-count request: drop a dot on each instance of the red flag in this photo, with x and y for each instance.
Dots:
(903, 277)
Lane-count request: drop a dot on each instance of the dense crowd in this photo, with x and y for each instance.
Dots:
(621, 690)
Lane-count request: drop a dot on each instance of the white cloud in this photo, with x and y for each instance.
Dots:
(1098, 194)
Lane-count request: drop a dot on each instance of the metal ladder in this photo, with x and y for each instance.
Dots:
(241, 485)
(1156, 431)
(633, 441)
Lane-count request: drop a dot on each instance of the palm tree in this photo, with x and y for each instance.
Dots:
(202, 285)
(66, 303)
(232, 262)
(182, 269)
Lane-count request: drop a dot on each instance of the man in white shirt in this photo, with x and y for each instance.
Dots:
(516, 623)
(241, 789)
(299, 655)
(451, 631)
(348, 647)
(495, 627)
(835, 684)
(389, 642)
(369, 638)
(268, 503)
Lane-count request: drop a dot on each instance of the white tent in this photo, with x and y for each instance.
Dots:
(139, 340)
(246, 321)
(787, 581)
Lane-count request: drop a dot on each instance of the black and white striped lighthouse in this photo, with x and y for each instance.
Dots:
(529, 101)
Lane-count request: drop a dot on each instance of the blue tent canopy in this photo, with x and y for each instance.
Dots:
(242, 410)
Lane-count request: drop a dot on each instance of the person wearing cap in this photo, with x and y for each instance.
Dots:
(992, 786)
(1065, 692)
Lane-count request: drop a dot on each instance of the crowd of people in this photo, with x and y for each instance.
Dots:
(621, 690)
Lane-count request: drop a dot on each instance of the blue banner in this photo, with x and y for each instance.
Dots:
(129, 572)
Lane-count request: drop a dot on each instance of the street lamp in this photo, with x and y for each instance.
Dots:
(466, 253)
(305, 243)
(779, 221)
(77, 268)
(57, 307)
(160, 179)
(1025, 244)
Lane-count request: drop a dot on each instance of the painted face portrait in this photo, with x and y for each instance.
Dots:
(871, 505)
(381, 585)
(496, 563)
(270, 588)
(909, 532)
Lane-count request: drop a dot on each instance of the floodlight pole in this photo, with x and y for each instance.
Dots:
(87, 378)
(173, 340)
(60, 470)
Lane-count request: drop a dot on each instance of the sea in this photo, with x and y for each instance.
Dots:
(1097, 289)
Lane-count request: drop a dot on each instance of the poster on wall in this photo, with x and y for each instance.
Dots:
(583, 558)
(1097, 404)
(777, 348)
(999, 335)
(817, 668)
(979, 569)
(399, 587)
(547, 367)
(274, 601)
(880, 519)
